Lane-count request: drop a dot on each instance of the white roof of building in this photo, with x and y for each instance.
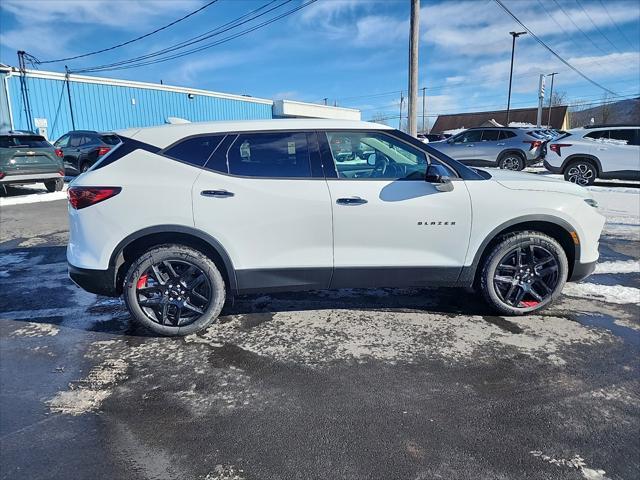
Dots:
(165, 135)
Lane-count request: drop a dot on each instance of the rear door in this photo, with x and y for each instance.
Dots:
(263, 196)
(621, 153)
(391, 227)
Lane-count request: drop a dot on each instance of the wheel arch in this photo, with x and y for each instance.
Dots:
(136, 243)
(556, 228)
(582, 156)
(507, 151)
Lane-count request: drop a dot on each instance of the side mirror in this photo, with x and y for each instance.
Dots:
(439, 175)
(371, 159)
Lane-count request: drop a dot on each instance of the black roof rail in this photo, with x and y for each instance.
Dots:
(611, 125)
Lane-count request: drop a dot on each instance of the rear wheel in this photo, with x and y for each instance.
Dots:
(511, 161)
(174, 290)
(581, 172)
(84, 167)
(524, 273)
(54, 185)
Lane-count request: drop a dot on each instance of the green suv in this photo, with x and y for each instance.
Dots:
(29, 158)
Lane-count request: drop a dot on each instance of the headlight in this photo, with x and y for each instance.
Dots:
(591, 202)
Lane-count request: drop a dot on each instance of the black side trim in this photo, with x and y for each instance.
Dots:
(117, 259)
(551, 168)
(582, 271)
(100, 282)
(375, 277)
(621, 174)
(284, 280)
(468, 274)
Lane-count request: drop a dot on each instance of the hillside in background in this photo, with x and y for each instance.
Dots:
(622, 112)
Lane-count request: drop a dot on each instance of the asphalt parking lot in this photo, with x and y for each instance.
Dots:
(348, 384)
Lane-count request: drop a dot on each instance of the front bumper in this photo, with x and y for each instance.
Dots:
(100, 282)
(582, 271)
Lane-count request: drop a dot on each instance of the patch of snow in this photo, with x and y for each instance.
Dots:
(628, 266)
(607, 293)
(36, 330)
(576, 462)
(225, 472)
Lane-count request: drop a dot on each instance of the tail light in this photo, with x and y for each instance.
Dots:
(2, 174)
(59, 153)
(103, 151)
(555, 147)
(61, 173)
(82, 197)
(534, 143)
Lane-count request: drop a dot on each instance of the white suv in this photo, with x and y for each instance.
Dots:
(599, 151)
(180, 217)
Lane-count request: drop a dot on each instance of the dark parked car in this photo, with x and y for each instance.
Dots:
(82, 148)
(28, 158)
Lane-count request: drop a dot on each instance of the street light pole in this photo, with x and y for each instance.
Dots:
(552, 75)
(412, 110)
(513, 48)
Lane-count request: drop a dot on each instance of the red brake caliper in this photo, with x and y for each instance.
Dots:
(142, 281)
(527, 303)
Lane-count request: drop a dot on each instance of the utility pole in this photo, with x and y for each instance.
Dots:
(540, 100)
(66, 78)
(424, 89)
(412, 122)
(325, 100)
(513, 48)
(551, 97)
(401, 105)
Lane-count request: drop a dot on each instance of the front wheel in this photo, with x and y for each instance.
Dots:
(524, 273)
(174, 290)
(581, 172)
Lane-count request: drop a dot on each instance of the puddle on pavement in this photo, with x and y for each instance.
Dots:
(607, 322)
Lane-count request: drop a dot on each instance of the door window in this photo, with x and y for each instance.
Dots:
(597, 134)
(625, 137)
(470, 136)
(375, 155)
(275, 155)
(504, 134)
(62, 141)
(75, 141)
(490, 135)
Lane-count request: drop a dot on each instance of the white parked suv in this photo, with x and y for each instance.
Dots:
(599, 151)
(178, 218)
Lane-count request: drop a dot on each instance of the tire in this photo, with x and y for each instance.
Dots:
(511, 161)
(54, 185)
(148, 299)
(84, 167)
(581, 172)
(502, 283)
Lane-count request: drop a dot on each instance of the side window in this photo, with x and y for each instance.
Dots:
(195, 150)
(75, 141)
(504, 135)
(377, 155)
(275, 155)
(470, 136)
(627, 135)
(490, 135)
(597, 134)
(62, 142)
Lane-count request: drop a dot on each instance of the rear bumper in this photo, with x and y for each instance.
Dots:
(100, 282)
(552, 168)
(30, 178)
(582, 271)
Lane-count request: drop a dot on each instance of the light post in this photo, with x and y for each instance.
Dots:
(552, 75)
(513, 48)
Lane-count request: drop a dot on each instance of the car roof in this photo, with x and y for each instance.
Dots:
(165, 135)
(609, 126)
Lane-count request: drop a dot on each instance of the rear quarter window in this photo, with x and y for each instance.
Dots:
(110, 139)
(195, 150)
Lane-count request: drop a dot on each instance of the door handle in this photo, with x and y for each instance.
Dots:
(470, 145)
(216, 193)
(351, 201)
(500, 144)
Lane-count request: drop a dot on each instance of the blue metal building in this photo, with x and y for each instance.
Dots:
(55, 106)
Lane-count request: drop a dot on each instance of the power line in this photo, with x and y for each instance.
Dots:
(128, 64)
(589, 39)
(553, 52)
(620, 31)
(133, 39)
(559, 25)
(597, 28)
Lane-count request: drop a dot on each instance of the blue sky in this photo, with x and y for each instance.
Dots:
(350, 51)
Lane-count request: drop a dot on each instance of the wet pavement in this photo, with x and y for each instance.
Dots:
(350, 384)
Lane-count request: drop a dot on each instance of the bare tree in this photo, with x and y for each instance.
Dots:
(605, 109)
(558, 98)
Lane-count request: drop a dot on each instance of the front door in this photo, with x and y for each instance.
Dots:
(391, 228)
(260, 200)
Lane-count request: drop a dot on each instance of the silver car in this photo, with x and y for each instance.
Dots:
(509, 148)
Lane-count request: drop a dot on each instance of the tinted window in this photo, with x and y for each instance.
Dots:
(376, 155)
(28, 141)
(504, 134)
(194, 150)
(597, 134)
(626, 135)
(62, 141)
(490, 135)
(270, 155)
(110, 139)
(470, 136)
(75, 141)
